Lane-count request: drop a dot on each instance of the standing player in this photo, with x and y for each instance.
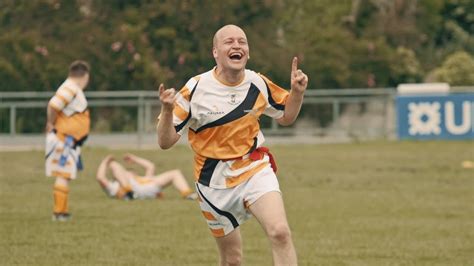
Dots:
(128, 185)
(235, 174)
(67, 128)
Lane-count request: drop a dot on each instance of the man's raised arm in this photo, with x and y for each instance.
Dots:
(167, 135)
(299, 82)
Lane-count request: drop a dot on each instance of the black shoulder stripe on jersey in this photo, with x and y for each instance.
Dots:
(192, 92)
(247, 104)
(272, 102)
(180, 126)
(229, 215)
(207, 170)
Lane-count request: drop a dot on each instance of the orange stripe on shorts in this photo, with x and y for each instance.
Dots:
(60, 174)
(217, 232)
(209, 216)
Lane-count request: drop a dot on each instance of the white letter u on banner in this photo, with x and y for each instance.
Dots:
(450, 121)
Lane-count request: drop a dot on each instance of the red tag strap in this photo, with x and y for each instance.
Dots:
(258, 154)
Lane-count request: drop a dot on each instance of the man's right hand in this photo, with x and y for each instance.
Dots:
(167, 135)
(49, 127)
(167, 97)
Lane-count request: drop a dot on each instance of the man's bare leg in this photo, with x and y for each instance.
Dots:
(230, 248)
(270, 212)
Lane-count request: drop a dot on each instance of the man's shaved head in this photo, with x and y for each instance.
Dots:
(230, 49)
(225, 28)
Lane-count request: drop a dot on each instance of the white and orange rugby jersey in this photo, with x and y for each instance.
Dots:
(223, 123)
(73, 116)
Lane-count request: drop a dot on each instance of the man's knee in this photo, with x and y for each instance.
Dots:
(279, 233)
(232, 258)
(231, 255)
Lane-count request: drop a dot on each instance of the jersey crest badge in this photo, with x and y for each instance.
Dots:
(233, 99)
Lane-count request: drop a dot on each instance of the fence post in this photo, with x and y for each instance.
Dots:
(335, 110)
(140, 120)
(274, 126)
(147, 116)
(389, 107)
(12, 120)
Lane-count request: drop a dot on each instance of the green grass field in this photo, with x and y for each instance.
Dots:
(376, 203)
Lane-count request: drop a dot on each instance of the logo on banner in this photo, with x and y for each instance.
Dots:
(436, 116)
(424, 118)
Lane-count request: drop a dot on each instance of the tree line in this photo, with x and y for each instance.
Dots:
(133, 44)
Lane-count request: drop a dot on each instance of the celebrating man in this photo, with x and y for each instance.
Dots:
(235, 174)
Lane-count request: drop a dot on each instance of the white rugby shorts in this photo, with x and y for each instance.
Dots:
(226, 209)
(140, 191)
(53, 151)
(144, 190)
(112, 188)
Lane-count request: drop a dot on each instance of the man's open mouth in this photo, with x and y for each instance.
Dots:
(235, 56)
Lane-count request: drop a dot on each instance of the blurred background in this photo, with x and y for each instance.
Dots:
(372, 201)
(356, 52)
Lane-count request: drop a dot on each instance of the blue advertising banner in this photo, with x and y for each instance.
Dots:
(436, 117)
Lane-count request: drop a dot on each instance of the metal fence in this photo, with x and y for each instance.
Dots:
(144, 101)
(327, 115)
(334, 101)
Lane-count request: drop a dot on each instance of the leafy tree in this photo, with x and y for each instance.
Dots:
(405, 67)
(133, 44)
(457, 70)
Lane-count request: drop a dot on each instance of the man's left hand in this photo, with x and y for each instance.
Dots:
(299, 80)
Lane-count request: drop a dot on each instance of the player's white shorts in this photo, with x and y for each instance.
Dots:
(226, 209)
(53, 150)
(112, 188)
(142, 190)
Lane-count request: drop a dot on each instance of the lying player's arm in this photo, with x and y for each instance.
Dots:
(101, 175)
(149, 166)
(299, 82)
(167, 135)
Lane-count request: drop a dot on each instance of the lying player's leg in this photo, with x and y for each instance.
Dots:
(120, 174)
(177, 179)
(124, 177)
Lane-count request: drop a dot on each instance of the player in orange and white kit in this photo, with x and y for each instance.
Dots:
(128, 185)
(235, 174)
(67, 128)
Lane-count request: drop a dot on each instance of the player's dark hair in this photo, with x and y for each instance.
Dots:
(78, 68)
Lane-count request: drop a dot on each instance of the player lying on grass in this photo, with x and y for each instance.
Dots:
(128, 185)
